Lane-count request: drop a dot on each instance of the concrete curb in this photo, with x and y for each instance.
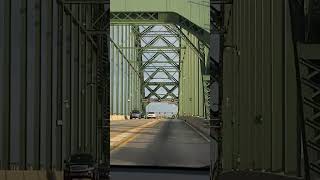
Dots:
(195, 125)
(199, 132)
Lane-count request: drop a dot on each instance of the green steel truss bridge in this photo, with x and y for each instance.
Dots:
(164, 51)
(251, 68)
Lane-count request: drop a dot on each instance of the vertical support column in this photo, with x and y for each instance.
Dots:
(258, 131)
(191, 77)
(193, 61)
(54, 85)
(94, 122)
(125, 66)
(187, 76)
(277, 83)
(17, 84)
(223, 85)
(5, 77)
(80, 72)
(196, 82)
(86, 80)
(181, 107)
(83, 80)
(112, 54)
(33, 84)
(45, 107)
(117, 60)
(292, 147)
(200, 72)
(244, 119)
(88, 85)
(251, 82)
(74, 58)
(66, 87)
(130, 89)
(127, 70)
(121, 59)
(266, 77)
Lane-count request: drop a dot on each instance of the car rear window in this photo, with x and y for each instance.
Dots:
(151, 112)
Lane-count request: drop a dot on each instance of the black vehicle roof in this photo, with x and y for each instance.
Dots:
(81, 156)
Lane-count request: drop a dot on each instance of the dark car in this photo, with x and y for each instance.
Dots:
(135, 114)
(81, 165)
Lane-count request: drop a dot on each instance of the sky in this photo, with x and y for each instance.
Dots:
(162, 107)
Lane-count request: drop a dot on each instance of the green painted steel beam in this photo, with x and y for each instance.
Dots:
(165, 83)
(196, 11)
(162, 19)
(153, 47)
(125, 57)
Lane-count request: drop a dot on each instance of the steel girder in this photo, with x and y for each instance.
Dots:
(305, 27)
(309, 73)
(97, 32)
(153, 58)
(160, 18)
(219, 25)
(124, 56)
(126, 76)
(312, 12)
(154, 38)
(101, 23)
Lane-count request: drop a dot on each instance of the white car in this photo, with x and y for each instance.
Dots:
(151, 115)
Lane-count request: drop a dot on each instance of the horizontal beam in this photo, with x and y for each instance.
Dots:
(160, 18)
(169, 100)
(309, 51)
(86, 2)
(161, 83)
(221, 2)
(154, 47)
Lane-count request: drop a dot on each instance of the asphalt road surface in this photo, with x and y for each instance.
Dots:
(167, 143)
(118, 127)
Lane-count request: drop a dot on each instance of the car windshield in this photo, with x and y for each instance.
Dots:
(150, 112)
(135, 111)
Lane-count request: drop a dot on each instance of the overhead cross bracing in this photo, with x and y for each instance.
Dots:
(158, 55)
(160, 50)
(171, 59)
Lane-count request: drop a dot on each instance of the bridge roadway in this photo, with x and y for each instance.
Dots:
(165, 143)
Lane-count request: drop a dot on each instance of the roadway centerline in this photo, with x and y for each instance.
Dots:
(123, 138)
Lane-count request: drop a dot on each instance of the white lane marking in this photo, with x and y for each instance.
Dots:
(197, 131)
